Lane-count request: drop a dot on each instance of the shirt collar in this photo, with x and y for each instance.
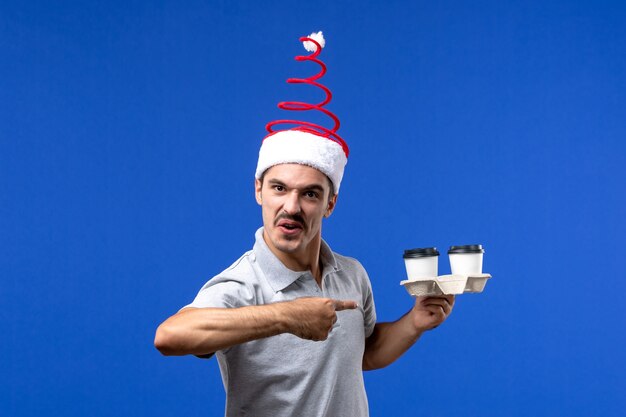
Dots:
(277, 274)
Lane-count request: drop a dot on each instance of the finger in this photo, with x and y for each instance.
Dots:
(450, 299)
(344, 305)
(447, 298)
(446, 301)
(439, 302)
(449, 304)
(436, 310)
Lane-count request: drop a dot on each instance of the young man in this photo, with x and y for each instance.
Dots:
(289, 291)
(292, 323)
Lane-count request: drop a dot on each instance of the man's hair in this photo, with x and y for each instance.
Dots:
(330, 184)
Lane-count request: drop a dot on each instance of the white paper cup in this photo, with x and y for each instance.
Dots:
(466, 259)
(421, 263)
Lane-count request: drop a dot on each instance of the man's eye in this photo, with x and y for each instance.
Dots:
(311, 194)
(279, 188)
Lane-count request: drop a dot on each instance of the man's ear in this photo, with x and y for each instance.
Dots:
(257, 191)
(331, 206)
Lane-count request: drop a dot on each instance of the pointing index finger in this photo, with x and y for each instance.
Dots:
(344, 305)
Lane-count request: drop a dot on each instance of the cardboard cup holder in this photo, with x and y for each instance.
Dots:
(446, 284)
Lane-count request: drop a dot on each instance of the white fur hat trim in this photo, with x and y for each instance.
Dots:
(298, 147)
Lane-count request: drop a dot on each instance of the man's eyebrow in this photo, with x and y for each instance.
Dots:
(310, 187)
(275, 182)
(314, 187)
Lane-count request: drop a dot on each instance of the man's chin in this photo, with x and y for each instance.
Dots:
(287, 245)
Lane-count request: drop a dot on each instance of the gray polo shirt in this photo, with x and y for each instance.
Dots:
(284, 375)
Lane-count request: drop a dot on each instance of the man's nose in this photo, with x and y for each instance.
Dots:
(292, 203)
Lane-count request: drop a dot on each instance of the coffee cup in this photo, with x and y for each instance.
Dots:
(421, 262)
(466, 259)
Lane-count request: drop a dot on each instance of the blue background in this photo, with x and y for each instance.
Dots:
(129, 134)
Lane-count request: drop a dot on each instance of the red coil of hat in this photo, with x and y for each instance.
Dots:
(309, 127)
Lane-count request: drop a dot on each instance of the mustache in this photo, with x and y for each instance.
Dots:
(293, 218)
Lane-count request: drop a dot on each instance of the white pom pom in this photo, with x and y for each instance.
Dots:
(318, 37)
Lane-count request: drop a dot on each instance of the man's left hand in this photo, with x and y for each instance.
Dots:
(430, 312)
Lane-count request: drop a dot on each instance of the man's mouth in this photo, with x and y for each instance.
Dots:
(289, 226)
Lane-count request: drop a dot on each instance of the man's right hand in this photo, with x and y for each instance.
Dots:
(312, 318)
(200, 331)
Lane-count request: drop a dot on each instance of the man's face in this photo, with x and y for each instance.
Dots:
(294, 199)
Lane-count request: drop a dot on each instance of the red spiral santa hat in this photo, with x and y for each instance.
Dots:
(306, 143)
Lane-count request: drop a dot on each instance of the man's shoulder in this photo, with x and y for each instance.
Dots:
(233, 287)
(241, 268)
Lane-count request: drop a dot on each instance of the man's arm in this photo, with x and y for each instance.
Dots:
(201, 331)
(390, 340)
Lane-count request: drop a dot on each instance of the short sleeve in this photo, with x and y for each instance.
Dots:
(224, 292)
(369, 309)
